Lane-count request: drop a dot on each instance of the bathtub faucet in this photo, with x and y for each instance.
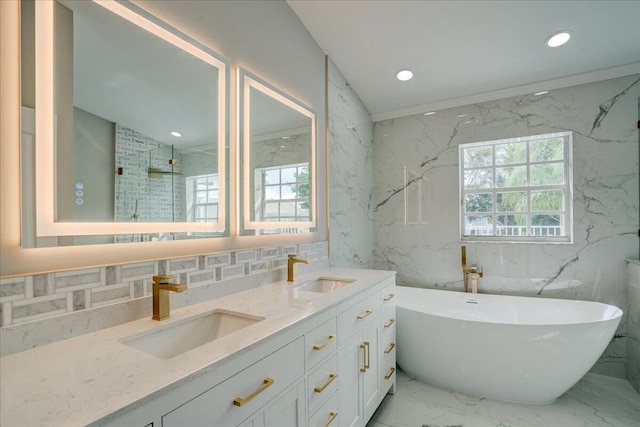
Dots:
(475, 274)
(473, 271)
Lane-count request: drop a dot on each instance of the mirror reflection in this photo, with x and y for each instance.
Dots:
(150, 106)
(139, 124)
(279, 155)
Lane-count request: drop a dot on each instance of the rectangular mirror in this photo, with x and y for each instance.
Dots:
(130, 131)
(278, 160)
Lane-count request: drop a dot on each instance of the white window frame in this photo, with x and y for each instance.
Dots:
(261, 188)
(567, 187)
(192, 193)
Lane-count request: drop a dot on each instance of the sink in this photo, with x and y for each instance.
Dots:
(182, 336)
(324, 285)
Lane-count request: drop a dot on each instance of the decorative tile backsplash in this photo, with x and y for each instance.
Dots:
(42, 296)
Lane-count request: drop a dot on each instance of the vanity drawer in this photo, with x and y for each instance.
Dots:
(235, 399)
(322, 382)
(388, 371)
(321, 342)
(357, 316)
(387, 295)
(327, 414)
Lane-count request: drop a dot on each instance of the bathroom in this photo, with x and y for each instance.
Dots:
(374, 221)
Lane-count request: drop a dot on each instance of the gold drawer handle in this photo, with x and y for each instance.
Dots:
(333, 414)
(386, 377)
(391, 322)
(326, 343)
(239, 401)
(391, 347)
(366, 313)
(331, 378)
(390, 297)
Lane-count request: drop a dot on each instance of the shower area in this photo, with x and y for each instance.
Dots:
(149, 184)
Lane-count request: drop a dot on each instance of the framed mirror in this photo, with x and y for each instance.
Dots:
(278, 160)
(130, 131)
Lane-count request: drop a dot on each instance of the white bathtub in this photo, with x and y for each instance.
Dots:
(519, 349)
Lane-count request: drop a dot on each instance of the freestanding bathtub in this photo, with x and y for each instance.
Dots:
(520, 349)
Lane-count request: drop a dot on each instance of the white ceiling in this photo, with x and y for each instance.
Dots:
(469, 51)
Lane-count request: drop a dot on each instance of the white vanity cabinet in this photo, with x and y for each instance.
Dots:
(328, 369)
(235, 399)
(286, 410)
(360, 358)
(387, 352)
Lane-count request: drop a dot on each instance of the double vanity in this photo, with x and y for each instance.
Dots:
(278, 355)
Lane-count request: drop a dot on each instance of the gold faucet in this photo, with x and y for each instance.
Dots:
(161, 289)
(464, 269)
(290, 263)
(473, 271)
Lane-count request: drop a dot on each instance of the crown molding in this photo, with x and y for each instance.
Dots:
(562, 82)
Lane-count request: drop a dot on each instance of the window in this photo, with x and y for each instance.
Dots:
(282, 193)
(517, 190)
(202, 198)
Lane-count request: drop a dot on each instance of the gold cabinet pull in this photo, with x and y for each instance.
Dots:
(324, 344)
(391, 322)
(331, 378)
(333, 414)
(364, 358)
(368, 359)
(365, 314)
(391, 371)
(266, 383)
(391, 347)
(389, 297)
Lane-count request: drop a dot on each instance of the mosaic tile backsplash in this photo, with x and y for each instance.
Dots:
(38, 297)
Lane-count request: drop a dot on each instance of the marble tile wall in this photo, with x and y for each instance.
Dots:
(40, 299)
(416, 202)
(351, 175)
(633, 325)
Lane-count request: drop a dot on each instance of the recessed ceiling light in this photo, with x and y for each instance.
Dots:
(430, 113)
(558, 39)
(176, 134)
(286, 137)
(404, 75)
(544, 92)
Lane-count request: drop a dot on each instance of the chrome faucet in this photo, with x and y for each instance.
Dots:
(161, 289)
(473, 271)
(291, 262)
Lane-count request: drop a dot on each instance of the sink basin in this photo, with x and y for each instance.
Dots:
(182, 336)
(324, 285)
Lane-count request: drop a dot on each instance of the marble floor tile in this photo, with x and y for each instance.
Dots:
(596, 401)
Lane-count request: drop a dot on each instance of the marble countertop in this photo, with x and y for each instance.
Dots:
(81, 380)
